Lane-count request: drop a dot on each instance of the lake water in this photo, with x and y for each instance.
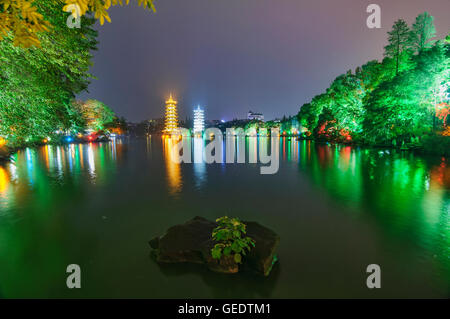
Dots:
(336, 208)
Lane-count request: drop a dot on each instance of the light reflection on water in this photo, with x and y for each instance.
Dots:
(199, 164)
(406, 195)
(368, 177)
(173, 169)
(48, 165)
(413, 192)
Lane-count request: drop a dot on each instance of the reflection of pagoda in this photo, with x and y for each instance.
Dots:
(171, 123)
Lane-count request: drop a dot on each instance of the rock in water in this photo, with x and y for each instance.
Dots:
(263, 256)
(184, 243)
(192, 242)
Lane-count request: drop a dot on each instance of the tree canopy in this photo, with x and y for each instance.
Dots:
(399, 41)
(402, 97)
(423, 31)
(38, 83)
(24, 21)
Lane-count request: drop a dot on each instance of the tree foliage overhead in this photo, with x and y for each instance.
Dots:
(37, 84)
(22, 20)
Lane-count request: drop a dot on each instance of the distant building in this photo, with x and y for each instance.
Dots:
(255, 116)
(156, 125)
(213, 123)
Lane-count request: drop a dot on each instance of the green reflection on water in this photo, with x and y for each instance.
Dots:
(408, 195)
(38, 183)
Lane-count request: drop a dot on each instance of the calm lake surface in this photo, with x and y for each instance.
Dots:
(336, 208)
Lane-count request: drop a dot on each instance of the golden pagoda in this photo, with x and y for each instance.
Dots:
(171, 123)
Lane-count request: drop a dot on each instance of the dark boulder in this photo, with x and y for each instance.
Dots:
(184, 243)
(191, 242)
(4, 154)
(263, 256)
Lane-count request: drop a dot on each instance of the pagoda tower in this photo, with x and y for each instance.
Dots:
(199, 120)
(171, 123)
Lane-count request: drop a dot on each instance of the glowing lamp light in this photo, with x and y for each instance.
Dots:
(45, 140)
(2, 141)
(69, 139)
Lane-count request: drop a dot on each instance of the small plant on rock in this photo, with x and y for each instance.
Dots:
(231, 239)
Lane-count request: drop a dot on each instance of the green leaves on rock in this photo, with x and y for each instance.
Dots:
(231, 239)
(216, 252)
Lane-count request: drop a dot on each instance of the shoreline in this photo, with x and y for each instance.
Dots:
(6, 152)
(416, 149)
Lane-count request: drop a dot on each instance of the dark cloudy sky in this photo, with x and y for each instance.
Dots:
(230, 56)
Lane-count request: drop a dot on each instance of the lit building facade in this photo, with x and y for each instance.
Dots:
(255, 116)
(171, 117)
(199, 120)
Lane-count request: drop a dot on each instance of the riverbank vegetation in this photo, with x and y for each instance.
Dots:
(44, 65)
(402, 101)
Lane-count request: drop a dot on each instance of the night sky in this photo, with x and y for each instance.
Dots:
(230, 56)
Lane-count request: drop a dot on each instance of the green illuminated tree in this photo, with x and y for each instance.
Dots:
(342, 107)
(96, 115)
(405, 106)
(399, 43)
(423, 31)
(434, 67)
(310, 112)
(347, 93)
(38, 84)
(402, 97)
